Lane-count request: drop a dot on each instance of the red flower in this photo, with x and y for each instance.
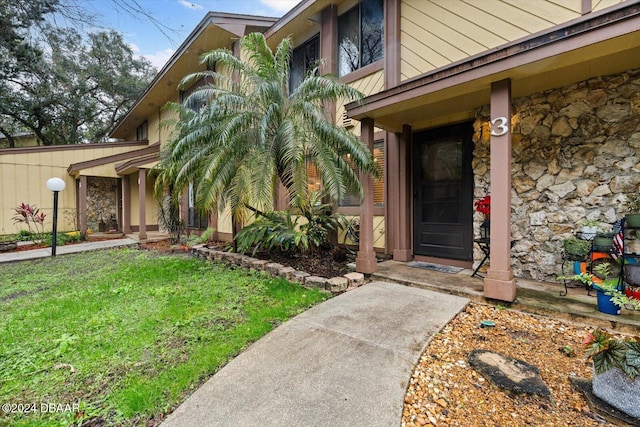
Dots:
(484, 205)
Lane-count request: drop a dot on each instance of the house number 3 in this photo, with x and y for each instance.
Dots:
(499, 126)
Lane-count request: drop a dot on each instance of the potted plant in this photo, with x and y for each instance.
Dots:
(606, 285)
(483, 206)
(632, 205)
(576, 249)
(610, 297)
(616, 364)
(603, 240)
(589, 229)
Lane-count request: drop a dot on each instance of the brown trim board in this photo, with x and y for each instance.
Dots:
(77, 167)
(91, 146)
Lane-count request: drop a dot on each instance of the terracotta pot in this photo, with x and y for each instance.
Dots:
(618, 390)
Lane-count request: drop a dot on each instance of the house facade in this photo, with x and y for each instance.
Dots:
(110, 186)
(535, 103)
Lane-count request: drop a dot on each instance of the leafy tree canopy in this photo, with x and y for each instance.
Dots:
(60, 85)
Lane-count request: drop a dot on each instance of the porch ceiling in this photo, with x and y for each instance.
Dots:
(542, 62)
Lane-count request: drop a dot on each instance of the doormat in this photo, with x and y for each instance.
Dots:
(436, 267)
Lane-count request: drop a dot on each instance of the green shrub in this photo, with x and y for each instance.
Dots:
(282, 229)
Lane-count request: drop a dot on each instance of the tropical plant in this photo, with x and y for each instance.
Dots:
(609, 352)
(30, 216)
(242, 133)
(273, 230)
(320, 219)
(306, 229)
(169, 217)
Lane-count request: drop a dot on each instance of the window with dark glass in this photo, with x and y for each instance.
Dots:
(195, 103)
(304, 58)
(378, 184)
(197, 219)
(360, 36)
(142, 131)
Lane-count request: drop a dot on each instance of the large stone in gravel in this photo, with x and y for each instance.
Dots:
(509, 373)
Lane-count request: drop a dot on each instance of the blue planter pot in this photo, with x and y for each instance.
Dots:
(605, 305)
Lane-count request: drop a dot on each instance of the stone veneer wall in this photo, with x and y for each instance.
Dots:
(576, 155)
(102, 201)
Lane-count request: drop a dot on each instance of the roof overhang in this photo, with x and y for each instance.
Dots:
(133, 165)
(304, 17)
(75, 169)
(596, 44)
(216, 30)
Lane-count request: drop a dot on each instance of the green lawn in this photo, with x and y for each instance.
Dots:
(125, 335)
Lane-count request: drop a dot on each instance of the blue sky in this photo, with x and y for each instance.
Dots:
(179, 16)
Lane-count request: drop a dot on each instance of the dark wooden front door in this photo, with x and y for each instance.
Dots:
(443, 192)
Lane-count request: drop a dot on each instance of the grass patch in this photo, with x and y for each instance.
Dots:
(125, 335)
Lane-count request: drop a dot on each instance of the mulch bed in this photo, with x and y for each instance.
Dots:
(324, 262)
(22, 248)
(164, 246)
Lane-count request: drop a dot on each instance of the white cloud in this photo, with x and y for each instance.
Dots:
(134, 48)
(160, 58)
(280, 6)
(190, 5)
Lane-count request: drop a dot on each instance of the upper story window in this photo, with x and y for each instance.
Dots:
(360, 36)
(303, 59)
(196, 103)
(142, 131)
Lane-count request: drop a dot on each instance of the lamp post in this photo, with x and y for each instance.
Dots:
(56, 185)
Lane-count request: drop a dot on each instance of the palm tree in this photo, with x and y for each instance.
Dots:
(243, 133)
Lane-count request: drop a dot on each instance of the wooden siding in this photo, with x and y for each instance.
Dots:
(378, 232)
(151, 205)
(24, 176)
(435, 33)
(602, 4)
(373, 83)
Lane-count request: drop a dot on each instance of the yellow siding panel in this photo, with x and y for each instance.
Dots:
(553, 11)
(373, 83)
(153, 128)
(103, 170)
(435, 33)
(224, 221)
(24, 175)
(602, 4)
(9, 197)
(134, 194)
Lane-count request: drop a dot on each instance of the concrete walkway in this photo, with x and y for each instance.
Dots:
(345, 362)
(66, 249)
